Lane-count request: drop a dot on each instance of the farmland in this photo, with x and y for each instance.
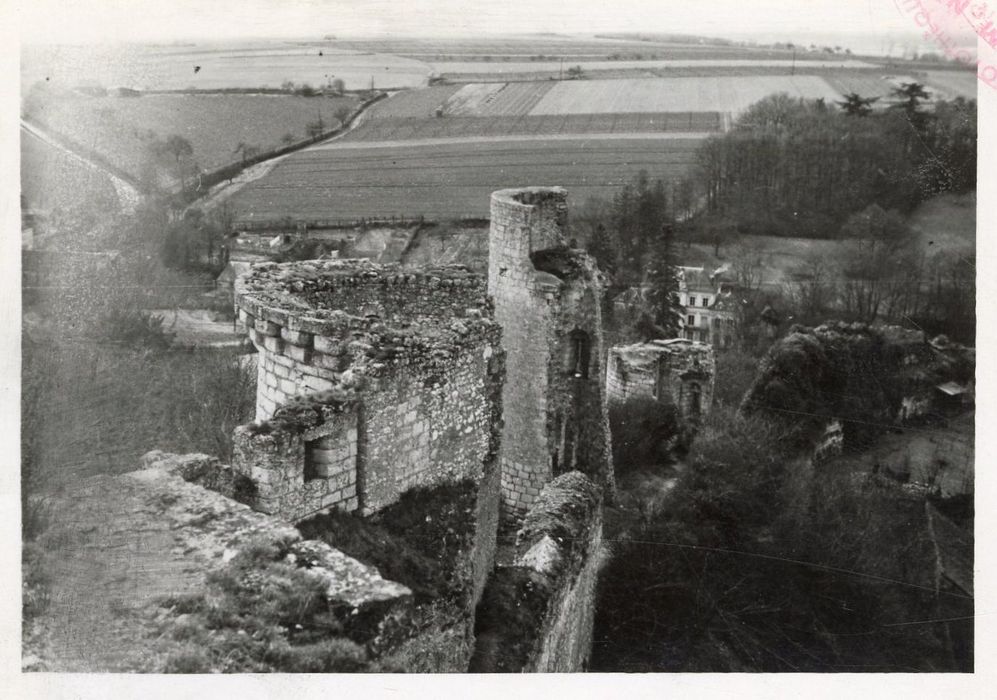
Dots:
(122, 129)
(709, 94)
(220, 65)
(953, 83)
(449, 180)
(552, 47)
(544, 125)
(460, 70)
(493, 110)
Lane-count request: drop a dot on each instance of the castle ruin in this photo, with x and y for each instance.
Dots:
(676, 372)
(547, 301)
(403, 370)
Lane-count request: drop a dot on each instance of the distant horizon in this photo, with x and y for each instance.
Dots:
(89, 22)
(859, 43)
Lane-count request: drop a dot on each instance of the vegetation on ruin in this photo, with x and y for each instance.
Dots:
(421, 541)
(259, 613)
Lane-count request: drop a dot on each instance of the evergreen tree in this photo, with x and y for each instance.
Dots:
(603, 247)
(909, 97)
(854, 105)
(662, 276)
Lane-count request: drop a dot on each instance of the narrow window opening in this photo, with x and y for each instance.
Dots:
(580, 354)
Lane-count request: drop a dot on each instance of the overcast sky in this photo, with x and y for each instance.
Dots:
(71, 21)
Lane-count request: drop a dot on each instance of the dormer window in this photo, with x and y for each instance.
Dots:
(579, 355)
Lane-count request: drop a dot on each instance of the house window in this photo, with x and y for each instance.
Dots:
(691, 320)
(580, 353)
(692, 301)
(706, 301)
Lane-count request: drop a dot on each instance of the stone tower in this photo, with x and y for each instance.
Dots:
(546, 297)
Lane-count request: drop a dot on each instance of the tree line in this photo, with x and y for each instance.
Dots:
(799, 168)
(806, 169)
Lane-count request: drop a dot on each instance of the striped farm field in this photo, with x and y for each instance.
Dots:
(412, 103)
(707, 94)
(549, 125)
(954, 83)
(444, 180)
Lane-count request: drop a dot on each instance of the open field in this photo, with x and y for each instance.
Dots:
(475, 99)
(449, 180)
(123, 128)
(420, 103)
(52, 179)
(946, 223)
(551, 46)
(461, 68)
(711, 94)
(868, 84)
(943, 224)
(221, 65)
(952, 83)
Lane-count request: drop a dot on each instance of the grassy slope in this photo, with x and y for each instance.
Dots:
(118, 128)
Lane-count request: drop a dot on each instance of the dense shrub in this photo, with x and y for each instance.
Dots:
(138, 329)
(756, 564)
(643, 432)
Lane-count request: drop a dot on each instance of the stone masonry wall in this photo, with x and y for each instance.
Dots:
(412, 399)
(299, 474)
(665, 370)
(420, 429)
(578, 415)
(521, 221)
(537, 615)
(538, 306)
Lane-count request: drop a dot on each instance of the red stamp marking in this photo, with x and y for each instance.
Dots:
(942, 20)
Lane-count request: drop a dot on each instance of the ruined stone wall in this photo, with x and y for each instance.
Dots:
(407, 393)
(423, 428)
(678, 372)
(537, 615)
(553, 420)
(577, 415)
(312, 321)
(300, 473)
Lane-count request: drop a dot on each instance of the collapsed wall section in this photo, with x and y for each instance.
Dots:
(546, 299)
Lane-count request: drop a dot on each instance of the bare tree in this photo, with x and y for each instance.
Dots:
(182, 152)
